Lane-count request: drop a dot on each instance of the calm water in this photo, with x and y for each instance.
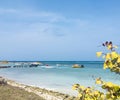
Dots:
(60, 76)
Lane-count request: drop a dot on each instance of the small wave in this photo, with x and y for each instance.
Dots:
(47, 67)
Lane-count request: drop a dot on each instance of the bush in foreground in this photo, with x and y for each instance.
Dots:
(112, 62)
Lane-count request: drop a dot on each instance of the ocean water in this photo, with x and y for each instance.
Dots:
(60, 76)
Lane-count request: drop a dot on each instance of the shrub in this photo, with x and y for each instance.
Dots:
(112, 62)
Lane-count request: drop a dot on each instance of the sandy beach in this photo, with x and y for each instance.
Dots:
(42, 93)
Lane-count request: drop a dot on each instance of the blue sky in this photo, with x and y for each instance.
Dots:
(57, 29)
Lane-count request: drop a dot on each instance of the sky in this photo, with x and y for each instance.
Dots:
(57, 30)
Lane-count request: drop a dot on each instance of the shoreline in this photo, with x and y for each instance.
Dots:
(42, 92)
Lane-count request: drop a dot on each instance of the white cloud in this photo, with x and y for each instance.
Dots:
(26, 21)
(27, 31)
(49, 23)
(29, 14)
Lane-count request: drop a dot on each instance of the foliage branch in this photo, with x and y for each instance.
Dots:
(112, 62)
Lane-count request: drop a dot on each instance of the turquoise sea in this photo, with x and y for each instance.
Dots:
(59, 75)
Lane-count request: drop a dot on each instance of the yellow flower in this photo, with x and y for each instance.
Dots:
(79, 95)
(118, 60)
(108, 56)
(114, 55)
(88, 98)
(75, 86)
(102, 96)
(113, 96)
(109, 84)
(98, 81)
(87, 90)
(82, 87)
(98, 54)
(109, 47)
(110, 65)
(96, 93)
(105, 65)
